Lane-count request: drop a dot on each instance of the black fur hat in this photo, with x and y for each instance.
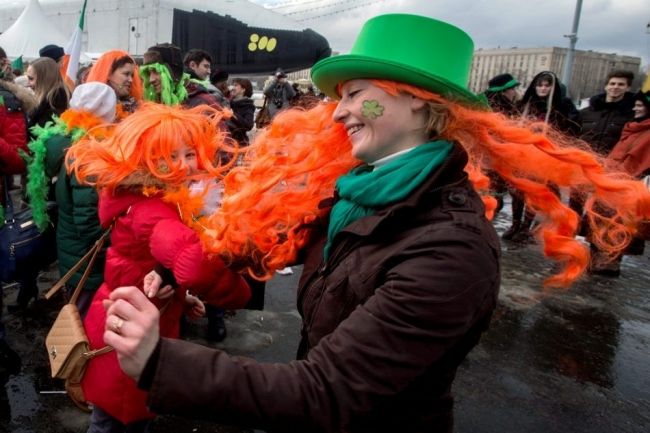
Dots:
(644, 97)
(167, 54)
(54, 52)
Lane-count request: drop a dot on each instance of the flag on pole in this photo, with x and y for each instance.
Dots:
(73, 51)
(17, 63)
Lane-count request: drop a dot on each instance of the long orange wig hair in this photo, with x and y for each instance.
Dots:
(142, 147)
(270, 202)
(106, 65)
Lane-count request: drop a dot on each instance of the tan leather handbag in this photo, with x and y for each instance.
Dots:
(67, 345)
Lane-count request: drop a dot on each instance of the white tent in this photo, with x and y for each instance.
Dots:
(31, 32)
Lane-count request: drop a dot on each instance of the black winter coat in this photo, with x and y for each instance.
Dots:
(602, 122)
(243, 119)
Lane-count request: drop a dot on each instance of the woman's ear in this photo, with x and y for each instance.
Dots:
(417, 103)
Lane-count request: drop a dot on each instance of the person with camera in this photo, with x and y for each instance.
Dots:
(279, 93)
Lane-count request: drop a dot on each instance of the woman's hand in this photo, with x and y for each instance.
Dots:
(131, 328)
(194, 307)
(151, 286)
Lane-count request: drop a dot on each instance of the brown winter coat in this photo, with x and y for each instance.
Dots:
(387, 319)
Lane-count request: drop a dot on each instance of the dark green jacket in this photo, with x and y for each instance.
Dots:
(78, 224)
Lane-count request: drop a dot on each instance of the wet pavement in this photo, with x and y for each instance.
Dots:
(575, 360)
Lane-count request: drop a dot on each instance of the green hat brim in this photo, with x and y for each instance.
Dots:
(509, 85)
(328, 73)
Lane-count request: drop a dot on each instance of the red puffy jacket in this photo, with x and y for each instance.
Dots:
(148, 231)
(13, 129)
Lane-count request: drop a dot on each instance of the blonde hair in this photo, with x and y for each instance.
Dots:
(49, 81)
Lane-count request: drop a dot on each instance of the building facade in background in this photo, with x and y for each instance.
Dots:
(590, 68)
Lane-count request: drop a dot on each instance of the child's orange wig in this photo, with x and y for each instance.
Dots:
(144, 143)
(294, 164)
(105, 66)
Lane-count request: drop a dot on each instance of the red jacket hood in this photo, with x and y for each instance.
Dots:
(112, 205)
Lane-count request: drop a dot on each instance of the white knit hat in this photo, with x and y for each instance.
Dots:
(95, 97)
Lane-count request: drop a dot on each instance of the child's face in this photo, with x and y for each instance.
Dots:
(186, 157)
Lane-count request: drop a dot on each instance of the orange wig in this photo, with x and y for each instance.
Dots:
(269, 201)
(143, 145)
(529, 159)
(293, 165)
(105, 66)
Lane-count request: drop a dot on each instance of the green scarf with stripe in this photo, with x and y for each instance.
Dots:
(364, 190)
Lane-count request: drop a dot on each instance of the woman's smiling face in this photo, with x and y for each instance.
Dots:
(378, 123)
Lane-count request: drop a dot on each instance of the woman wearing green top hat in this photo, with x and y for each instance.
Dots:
(402, 279)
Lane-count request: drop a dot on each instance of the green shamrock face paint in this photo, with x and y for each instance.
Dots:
(372, 109)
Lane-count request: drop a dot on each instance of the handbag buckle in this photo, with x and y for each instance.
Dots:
(53, 352)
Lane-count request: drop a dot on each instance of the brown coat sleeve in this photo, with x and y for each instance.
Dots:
(408, 325)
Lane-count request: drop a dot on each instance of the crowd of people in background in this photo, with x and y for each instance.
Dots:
(43, 117)
(613, 124)
(121, 103)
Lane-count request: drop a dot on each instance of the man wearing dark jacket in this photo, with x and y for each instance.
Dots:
(602, 124)
(198, 65)
(603, 119)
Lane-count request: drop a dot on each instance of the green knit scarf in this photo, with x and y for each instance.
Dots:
(363, 191)
(171, 93)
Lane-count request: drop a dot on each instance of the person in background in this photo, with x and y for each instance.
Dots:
(632, 152)
(401, 265)
(279, 92)
(198, 66)
(53, 52)
(603, 119)
(16, 103)
(502, 96)
(51, 95)
(91, 105)
(243, 109)
(544, 102)
(165, 82)
(631, 155)
(118, 69)
(219, 86)
(149, 157)
(51, 92)
(82, 73)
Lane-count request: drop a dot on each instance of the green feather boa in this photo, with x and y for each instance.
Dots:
(171, 94)
(38, 181)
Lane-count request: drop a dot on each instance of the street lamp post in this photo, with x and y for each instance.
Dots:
(573, 38)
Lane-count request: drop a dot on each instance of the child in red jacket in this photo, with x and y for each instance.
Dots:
(143, 171)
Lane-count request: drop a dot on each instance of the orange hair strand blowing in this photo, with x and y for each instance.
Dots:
(294, 164)
(529, 160)
(143, 144)
(102, 70)
(288, 170)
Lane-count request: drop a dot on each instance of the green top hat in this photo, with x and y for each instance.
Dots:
(411, 49)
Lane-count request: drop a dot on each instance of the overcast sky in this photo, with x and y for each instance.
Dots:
(610, 26)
